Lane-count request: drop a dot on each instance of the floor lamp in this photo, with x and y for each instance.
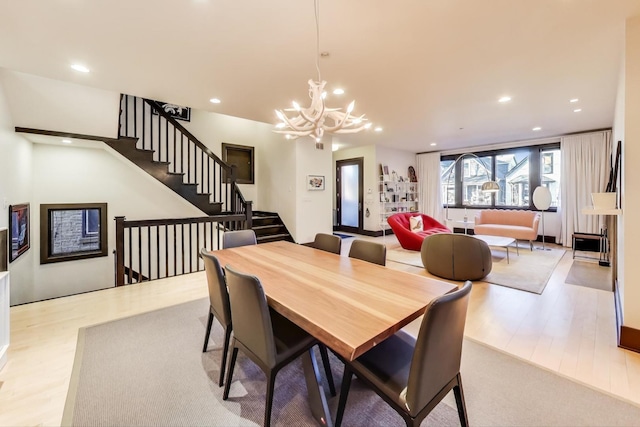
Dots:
(542, 201)
(488, 186)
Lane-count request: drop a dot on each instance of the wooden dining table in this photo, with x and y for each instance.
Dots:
(348, 304)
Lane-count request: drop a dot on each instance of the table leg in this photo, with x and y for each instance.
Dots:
(507, 247)
(315, 390)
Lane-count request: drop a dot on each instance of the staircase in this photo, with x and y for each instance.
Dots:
(160, 170)
(269, 227)
(155, 141)
(160, 145)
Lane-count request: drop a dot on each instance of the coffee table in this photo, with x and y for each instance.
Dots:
(498, 241)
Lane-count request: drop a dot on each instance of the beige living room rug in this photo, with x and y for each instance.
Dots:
(590, 275)
(529, 271)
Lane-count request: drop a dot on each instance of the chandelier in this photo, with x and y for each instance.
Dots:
(317, 119)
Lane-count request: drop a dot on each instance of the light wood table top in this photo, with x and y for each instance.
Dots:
(348, 304)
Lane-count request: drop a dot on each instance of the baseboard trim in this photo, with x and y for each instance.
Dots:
(630, 338)
(378, 233)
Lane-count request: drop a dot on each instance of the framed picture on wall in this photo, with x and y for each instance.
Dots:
(18, 230)
(315, 182)
(72, 231)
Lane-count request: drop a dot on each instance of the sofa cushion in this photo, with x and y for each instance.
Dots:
(415, 224)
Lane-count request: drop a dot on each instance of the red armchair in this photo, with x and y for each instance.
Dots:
(399, 223)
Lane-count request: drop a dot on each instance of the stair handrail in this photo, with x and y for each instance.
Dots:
(156, 106)
(236, 193)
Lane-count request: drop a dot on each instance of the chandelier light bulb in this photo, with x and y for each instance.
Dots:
(281, 125)
(367, 126)
(350, 107)
(280, 115)
(296, 106)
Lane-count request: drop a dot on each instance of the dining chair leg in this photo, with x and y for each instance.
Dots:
(327, 368)
(462, 408)
(344, 393)
(271, 382)
(227, 338)
(206, 335)
(232, 364)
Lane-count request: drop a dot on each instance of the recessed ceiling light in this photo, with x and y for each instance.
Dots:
(335, 147)
(433, 144)
(536, 128)
(66, 141)
(378, 129)
(367, 126)
(338, 91)
(574, 100)
(214, 101)
(80, 67)
(577, 110)
(504, 99)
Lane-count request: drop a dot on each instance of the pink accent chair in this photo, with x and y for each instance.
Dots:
(399, 223)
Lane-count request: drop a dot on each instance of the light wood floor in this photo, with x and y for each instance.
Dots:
(568, 329)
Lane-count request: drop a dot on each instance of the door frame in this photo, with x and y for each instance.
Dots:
(346, 162)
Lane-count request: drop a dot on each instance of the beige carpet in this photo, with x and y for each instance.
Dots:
(150, 370)
(529, 271)
(590, 275)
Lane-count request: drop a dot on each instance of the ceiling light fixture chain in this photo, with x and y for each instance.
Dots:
(317, 118)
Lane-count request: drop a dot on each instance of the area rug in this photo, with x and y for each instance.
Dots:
(529, 271)
(590, 275)
(150, 370)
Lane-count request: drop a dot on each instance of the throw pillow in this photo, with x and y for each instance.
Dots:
(415, 224)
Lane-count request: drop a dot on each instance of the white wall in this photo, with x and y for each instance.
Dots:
(41, 103)
(617, 134)
(70, 174)
(313, 207)
(15, 183)
(630, 235)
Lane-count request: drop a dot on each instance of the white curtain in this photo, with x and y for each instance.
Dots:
(585, 170)
(429, 183)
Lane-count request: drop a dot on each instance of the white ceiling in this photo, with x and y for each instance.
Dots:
(425, 70)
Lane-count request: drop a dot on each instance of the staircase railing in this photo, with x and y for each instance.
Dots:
(159, 248)
(172, 143)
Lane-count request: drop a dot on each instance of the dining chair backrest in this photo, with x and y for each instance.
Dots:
(233, 239)
(328, 242)
(438, 347)
(369, 251)
(216, 281)
(250, 315)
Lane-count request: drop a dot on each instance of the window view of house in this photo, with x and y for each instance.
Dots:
(510, 168)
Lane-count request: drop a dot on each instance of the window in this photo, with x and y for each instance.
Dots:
(518, 171)
(512, 175)
(72, 231)
(241, 157)
(550, 173)
(476, 173)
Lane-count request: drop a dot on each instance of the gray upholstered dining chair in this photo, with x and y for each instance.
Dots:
(369, 251)
(218, 305)
(327, 242)
(414, 375)
(233, 239)
(265, 336)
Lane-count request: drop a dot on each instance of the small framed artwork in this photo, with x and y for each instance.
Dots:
(18, 230)
(385, 172)
(176, 111)
(315, 182)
